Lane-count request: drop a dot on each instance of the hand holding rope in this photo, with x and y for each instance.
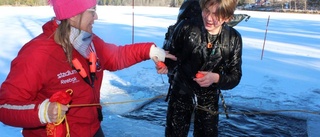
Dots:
(57, 114)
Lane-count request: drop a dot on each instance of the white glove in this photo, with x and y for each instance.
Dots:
(158, 52)
(43, 112)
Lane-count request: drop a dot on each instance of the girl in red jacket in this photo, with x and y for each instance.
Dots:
(67, 56)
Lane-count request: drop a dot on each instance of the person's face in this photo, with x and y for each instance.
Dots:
(211, 21)
(85, 20)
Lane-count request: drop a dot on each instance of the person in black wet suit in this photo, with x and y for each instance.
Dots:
(204, 44)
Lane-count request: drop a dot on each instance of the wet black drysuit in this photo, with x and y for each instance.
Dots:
(189, 44)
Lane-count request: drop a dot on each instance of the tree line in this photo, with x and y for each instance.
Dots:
(171, 3)
(293, 4)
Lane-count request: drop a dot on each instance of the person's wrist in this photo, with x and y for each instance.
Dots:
(43, 112)
(216, 77)
(157, 52)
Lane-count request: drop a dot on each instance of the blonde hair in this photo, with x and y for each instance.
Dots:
(225, 9)
(62, 37)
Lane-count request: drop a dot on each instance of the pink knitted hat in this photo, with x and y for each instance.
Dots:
(65, 9)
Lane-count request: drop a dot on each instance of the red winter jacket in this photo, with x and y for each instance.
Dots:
(41, 69)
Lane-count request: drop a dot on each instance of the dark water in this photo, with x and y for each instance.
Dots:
(261, 125)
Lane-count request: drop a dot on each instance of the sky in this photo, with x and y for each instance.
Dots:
(281, 62)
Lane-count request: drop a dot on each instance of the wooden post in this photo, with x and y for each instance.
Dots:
(265, 36)
(132, 21)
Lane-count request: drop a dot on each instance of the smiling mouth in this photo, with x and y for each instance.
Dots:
(209, 24)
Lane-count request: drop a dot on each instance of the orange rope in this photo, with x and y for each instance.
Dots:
(110, 103)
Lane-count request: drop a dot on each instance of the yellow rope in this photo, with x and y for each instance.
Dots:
(274, 111)
(70, 91)
(199, 107)
(257, 112)
(60, 117)
(112, 103)
(45, 111)
(68, 129)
